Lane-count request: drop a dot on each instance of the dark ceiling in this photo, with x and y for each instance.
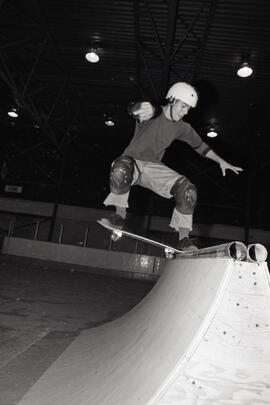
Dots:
(59, 149)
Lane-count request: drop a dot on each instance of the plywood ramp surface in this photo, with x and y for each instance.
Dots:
(201, 336)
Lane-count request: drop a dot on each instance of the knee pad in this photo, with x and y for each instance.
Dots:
(185, 194)
(121, 175)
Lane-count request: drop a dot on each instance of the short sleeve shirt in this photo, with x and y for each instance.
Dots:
(152, 138)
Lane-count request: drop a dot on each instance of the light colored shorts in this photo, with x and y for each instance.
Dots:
(155, 176)
(158, 178)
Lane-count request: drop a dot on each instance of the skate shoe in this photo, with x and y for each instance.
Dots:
(186, 245)
(117, 221)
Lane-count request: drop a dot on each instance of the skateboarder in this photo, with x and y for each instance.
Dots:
(141, 162)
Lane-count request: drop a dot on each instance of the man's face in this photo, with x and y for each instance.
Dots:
(179, 110)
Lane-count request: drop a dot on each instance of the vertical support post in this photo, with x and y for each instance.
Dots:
(59, 185)
(110, 244)
(36, 230)
(11, 227)
(136, 246)
(149, 215)
(85, 237)
(61, 234)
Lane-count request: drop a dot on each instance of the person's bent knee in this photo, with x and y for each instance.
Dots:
(121, 175)
(185, 194)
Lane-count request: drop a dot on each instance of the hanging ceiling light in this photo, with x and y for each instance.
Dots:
(92, 56)
(13, 112)
(109, 122)
(245, 70)
(212, 132)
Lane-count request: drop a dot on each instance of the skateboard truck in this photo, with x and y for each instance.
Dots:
(169, 253)
(116, 235)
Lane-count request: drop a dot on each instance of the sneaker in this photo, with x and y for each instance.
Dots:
(186, 245)
(117, 221)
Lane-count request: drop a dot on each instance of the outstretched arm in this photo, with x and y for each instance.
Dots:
(222, 163)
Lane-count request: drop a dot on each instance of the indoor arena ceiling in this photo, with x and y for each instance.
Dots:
(144, 46)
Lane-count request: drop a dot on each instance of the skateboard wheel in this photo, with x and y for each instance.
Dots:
(115, 236)
(169, 254)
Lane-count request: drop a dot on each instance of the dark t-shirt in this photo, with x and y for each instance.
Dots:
(152, 138)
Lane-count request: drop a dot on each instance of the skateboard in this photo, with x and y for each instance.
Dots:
(116, 234)
(234, 250)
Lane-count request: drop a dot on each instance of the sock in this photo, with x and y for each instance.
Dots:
(183, 233)
(122, 212)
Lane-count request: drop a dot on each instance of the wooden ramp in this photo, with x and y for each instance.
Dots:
(201, 336)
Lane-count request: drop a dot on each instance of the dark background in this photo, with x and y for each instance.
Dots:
(59, 149)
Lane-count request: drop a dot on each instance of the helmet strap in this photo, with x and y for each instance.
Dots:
(171, 101)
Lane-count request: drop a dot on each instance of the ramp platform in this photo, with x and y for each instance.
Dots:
(201, 336)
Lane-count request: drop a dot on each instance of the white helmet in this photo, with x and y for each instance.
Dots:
(184, 92)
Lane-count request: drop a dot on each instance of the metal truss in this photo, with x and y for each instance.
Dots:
(25, 82)
(28, 90)
(180, 42)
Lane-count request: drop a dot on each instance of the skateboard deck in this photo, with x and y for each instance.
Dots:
(118, 233)
(234, 250)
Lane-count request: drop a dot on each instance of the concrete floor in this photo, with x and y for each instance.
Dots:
(43, 308)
